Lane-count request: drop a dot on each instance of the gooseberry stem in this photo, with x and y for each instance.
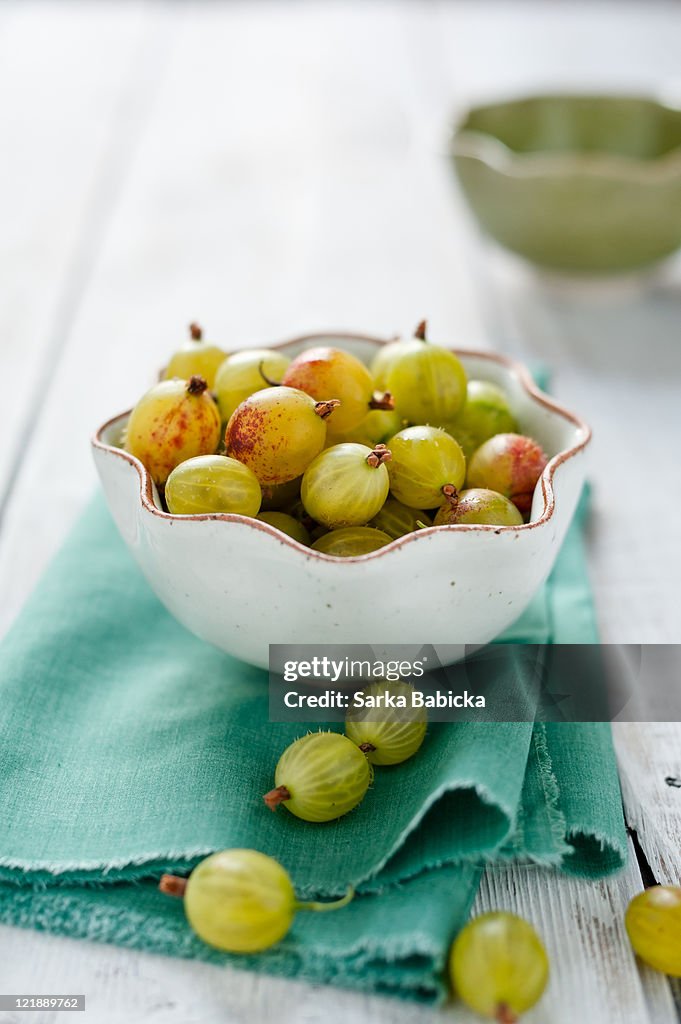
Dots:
(420, 331)
(268, 380)
(333, 905)
(382, 400)
(379, 455)
(505, 1014)
(195, 332)
(196, 385)
(173, 885)
(451, 494)
(324, 409)
(276, 796)
(367, 748)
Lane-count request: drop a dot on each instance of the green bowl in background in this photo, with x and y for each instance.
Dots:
(590, 184)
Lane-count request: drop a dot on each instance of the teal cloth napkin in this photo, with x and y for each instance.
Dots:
(129, 748)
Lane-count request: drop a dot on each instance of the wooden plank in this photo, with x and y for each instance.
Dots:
(65, 77)
(594, 973)
(592, 336)
(122, 985)
(500, 49)
(612, 345)
(250, 209)
(624, 386)
(649, 756)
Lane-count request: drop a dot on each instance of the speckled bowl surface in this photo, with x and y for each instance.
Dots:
(589, 184)
(242, 585)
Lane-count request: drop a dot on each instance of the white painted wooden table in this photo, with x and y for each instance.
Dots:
(275, 167)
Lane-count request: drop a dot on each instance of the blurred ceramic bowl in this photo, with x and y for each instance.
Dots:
(242, 585)
(589, 184)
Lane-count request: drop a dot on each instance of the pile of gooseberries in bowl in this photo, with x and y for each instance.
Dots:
(337, 488)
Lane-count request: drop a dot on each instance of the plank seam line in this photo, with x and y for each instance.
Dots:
(644, 865)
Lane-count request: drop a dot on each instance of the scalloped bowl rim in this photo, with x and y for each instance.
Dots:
(490, 150)
(521, 373)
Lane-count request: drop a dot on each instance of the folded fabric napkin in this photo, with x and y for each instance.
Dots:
(129, 748)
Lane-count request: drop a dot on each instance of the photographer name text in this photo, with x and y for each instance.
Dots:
(342, 700)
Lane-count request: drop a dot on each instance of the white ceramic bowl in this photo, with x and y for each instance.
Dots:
(242, 585)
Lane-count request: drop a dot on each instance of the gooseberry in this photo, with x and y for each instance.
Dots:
(244, 373)
(427, 381)
(350, 541)
(477, 506)
(241, 901)
(397, 519)
(498, 966)
(346, 485)
(287, 524)
(510, 464)
(319, 777)
(325, 371)
(382, 361)
(653, 923)
(195, 358)
(278, 432)
(485, 413)
(424, 460)
(377, 427)
(387, 727)
(174, 421)
(212, 483)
